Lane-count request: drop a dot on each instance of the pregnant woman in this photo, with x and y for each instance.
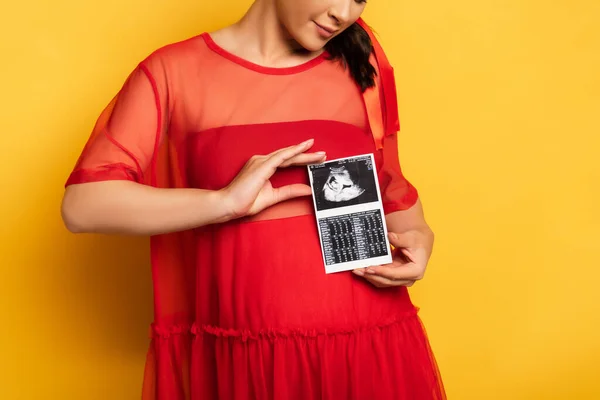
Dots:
(204, 149)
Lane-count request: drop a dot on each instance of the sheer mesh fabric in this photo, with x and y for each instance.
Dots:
(252, 290)
(123, 142)
(197, 86)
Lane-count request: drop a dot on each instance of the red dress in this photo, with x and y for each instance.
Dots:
(244, 309)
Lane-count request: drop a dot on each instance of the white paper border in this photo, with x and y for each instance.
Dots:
(342, 211)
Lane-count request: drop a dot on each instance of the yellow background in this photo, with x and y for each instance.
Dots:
(500, 109)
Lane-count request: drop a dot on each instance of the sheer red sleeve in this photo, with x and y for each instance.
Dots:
(124, 140)
(397, 193)
(382, 110)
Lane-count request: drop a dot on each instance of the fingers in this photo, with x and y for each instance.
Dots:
(292, 155)
(399, 273)
(407, 255)
(275, 159)
(305, 159)
(409, 272)
(251, 191)
(290, 191)
(401, 240)
(381, 281)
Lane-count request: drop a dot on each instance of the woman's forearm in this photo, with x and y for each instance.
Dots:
(412, 223)
(124, 207)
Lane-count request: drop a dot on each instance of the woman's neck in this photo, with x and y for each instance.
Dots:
(259, 37)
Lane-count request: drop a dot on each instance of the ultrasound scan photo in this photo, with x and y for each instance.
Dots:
(349, 213)
(344, 183)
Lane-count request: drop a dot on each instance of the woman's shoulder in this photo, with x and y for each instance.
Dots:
(192, 51)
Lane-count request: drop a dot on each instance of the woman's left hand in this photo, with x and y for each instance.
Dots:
(408, 265)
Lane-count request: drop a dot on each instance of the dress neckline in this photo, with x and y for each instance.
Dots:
(261, 68)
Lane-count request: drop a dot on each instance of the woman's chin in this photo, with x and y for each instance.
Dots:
(311, 44)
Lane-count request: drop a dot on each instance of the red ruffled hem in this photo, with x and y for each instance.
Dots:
(392, 360)
(165, 332)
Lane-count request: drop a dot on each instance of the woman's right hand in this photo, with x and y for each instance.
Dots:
(251, 191)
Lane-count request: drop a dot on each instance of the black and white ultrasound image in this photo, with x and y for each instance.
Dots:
(344, 183)
(353, 237)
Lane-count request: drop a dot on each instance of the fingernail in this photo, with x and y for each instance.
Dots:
(309, 141)
(370, 271)
(393, 236)
(359, 272)
(320, 153)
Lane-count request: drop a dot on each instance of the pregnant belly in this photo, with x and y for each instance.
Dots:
(270, 275)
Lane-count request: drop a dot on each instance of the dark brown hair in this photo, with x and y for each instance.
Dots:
(354, 47)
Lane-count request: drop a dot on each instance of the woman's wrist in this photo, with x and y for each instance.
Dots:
(219, 202)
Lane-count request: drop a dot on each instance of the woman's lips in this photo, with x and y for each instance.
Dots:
(325, 31)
